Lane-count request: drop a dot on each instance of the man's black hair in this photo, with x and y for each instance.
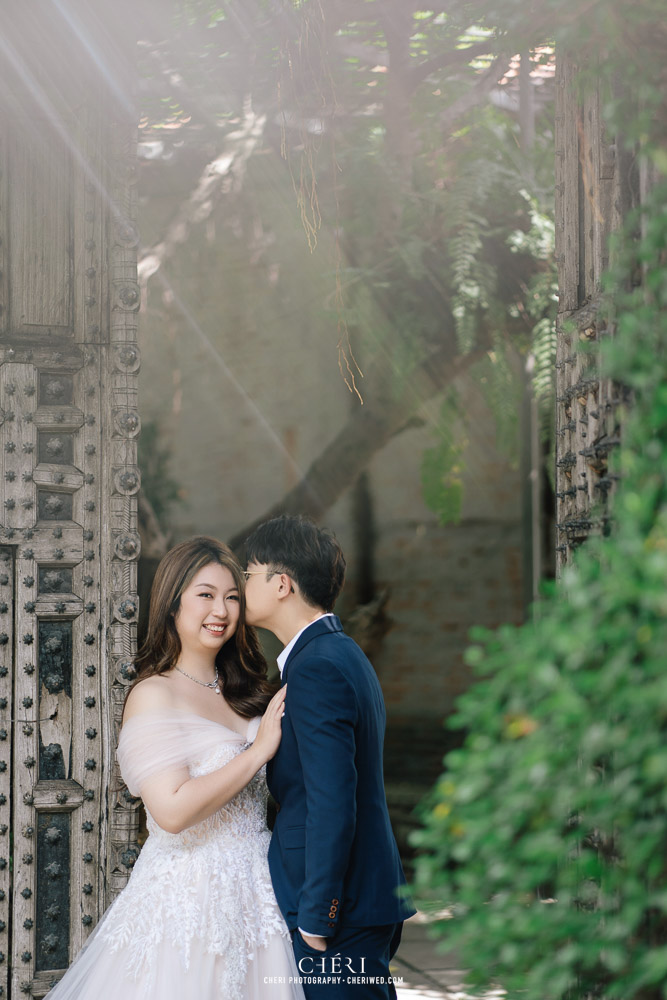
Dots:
(310, 555)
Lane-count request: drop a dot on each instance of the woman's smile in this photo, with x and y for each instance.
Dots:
(212, 591)
(216, 628)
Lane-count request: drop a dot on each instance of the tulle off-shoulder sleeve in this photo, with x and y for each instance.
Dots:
(158, 742)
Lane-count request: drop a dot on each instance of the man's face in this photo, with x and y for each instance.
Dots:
(260, 595)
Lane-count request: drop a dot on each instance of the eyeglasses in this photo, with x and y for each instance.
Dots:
(258, 572)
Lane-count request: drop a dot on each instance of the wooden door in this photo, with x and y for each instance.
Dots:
(595, 190)
(68, 484)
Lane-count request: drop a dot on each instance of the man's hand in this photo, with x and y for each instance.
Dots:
(316, 942)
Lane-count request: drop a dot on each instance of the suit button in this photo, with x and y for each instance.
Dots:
(334, 902)
(331, 925)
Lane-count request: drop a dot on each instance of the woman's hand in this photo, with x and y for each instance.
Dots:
(269, 733)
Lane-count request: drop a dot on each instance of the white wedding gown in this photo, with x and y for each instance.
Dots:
(198, 919)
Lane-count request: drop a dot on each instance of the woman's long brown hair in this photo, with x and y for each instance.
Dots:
(240, 662)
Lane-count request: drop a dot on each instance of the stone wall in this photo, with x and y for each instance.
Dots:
(443, 580)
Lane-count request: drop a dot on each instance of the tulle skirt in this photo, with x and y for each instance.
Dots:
(100, 973)
(198, 920)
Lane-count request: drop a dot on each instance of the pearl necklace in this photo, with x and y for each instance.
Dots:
(215, 685)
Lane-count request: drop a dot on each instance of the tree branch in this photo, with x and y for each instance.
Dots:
(476, 94)
(220, 175)
(367, 431)
(448, 60)
(365, 53)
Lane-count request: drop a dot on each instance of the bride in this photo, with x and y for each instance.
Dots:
(198, 919)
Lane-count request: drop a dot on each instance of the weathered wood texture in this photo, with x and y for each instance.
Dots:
(68, 532)
(594, 192)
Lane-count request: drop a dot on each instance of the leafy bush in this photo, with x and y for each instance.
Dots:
(547, 834)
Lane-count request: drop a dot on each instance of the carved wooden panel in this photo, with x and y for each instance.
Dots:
(121, 549)
(593, 195)
(7, 601)
(40, 221)
(68, 532)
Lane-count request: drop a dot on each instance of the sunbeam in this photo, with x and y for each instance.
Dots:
(229, 374)
(95, 53)
(43, 102)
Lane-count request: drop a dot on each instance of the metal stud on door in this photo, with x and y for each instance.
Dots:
(68, 484)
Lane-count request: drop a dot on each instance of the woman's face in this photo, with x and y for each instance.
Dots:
(209, 610)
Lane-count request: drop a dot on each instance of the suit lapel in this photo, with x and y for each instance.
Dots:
(329, 624)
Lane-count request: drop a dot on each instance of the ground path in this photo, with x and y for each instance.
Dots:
(427, 973)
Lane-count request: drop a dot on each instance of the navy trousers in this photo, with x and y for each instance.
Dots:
(355, 964)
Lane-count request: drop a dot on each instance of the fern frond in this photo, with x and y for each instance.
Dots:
(474, 281)
(544, 343)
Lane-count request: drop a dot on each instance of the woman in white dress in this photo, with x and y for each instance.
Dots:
(198, 919)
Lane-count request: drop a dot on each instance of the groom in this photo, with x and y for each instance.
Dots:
(333, 858)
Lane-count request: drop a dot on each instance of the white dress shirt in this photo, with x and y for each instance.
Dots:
(282, 659)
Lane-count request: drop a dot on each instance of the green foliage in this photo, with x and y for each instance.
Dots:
(157, 482)
(539, 306)
(438, 219)
(521, 323)
(544, 353)
(474, 279)
(442, 483)
(499, 253)
(547, 835)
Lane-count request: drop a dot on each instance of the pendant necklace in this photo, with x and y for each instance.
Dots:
(215, 685)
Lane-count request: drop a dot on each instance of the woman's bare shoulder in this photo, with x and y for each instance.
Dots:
(147, 695)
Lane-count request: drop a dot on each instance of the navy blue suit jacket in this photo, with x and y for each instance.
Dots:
(333, 856)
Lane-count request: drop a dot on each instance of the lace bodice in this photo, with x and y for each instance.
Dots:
(210, 882)
(242, 817)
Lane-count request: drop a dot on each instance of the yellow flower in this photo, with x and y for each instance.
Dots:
(519, 725)
(446, 788)
(644, 634)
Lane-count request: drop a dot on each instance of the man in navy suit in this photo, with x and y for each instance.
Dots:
(333, 857)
